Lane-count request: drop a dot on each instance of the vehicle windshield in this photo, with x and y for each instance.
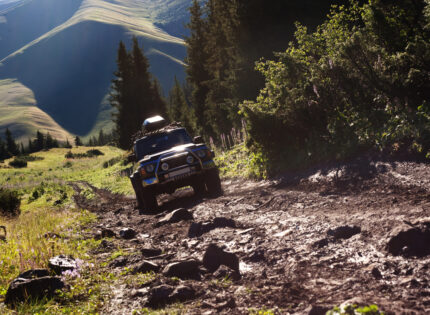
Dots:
(161, 142)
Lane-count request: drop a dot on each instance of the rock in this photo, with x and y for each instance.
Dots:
(224, 272)
(32, 285)
(257, 256)
(321, 243)
(146, 266)
(317, 310)
(199, 228)
(408, 241)
(158, 296)
(376, 273)
(107, 233)
(119, 262)
(230, 303)
(175, 216)
(34, 273)
(127, 233)
(151, 252)
(182, 293)
(62, 263)
(183, 269)
(344, 232)
(165, 294)
(215, 257)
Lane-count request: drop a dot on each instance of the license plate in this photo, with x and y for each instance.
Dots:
(182, 171)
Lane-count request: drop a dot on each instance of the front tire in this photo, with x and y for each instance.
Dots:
(213, 183)
(149, 199)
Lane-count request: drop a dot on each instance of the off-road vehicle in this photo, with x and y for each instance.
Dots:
(168, 158)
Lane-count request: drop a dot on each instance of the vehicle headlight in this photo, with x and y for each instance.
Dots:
(149, 168)
(164, 166)
(190, 159)
(201, 153)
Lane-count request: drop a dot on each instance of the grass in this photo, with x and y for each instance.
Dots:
(239, 161)
(47, 207)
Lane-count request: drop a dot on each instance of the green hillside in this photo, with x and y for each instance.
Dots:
(69, 67)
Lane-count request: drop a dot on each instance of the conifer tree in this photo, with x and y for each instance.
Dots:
(179, 109)
(133, 93)
(11, 145)
(78, 141)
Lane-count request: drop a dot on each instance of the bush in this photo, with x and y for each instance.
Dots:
(347, 87)
(88, 154)
(30, 158)
(9, 202)
(18, 162)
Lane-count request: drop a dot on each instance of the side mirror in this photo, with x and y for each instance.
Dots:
(198, 139)
(131, 158)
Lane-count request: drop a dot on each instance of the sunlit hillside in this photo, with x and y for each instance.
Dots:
(64, 52)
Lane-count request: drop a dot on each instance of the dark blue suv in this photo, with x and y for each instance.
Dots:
(168, 158)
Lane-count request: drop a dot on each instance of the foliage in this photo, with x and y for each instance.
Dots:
(18, 162)
(346, 87)
(88, 154)
(179, 109)
(355, 310)
(226, 38)
(134, 93)
(9, 202)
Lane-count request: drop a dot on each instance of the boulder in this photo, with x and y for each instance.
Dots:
(165, 294)
(127, 233)
(107, 233)
(146, 266)
(344, 232)
(410, 240)
(182, 293)
(183, 269)
(175, 216)
(61, 263)
(151, 252)
(215, 257)
(32, 285)
(159, 295)
(199, 228)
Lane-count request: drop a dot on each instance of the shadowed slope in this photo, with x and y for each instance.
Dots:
(70, 67)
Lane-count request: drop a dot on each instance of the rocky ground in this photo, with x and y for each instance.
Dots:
(302, 243)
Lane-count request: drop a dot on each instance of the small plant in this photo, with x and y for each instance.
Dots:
(68, 164)
(18, 162)
(355, 310)
(9, 202)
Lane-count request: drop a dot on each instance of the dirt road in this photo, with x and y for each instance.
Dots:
(304, 242)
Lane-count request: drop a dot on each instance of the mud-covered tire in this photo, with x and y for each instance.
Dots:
(199, 187)
(149, 199)
(213, 183)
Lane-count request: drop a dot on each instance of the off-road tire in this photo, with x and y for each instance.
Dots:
(213, 183)
(199, 187)
(149, 199)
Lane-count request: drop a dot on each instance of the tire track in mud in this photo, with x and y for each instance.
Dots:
(288, 261)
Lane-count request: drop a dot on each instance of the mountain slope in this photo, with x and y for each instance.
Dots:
(69, 67)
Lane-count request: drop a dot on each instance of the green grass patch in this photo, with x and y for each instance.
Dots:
(239, 161)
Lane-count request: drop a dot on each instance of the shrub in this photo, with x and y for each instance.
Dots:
(18, 162)
(88, 154)
(9, 202)
(94, 152)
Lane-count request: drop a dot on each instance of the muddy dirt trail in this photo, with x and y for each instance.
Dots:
(358, 232)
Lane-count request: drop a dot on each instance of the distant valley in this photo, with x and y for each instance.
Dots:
(57, 59)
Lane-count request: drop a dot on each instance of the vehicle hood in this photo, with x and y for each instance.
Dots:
(171, 151)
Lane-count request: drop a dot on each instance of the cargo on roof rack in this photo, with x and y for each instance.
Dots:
(154, 123)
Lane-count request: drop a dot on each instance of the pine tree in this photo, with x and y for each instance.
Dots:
(39, 142)
(78, 141)
(196, 61)
(179, 109)
(120, 97)
(133, 93)
(101, 140)
(67, 145)
(3, 152)
(11, 145)
(158, 101)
